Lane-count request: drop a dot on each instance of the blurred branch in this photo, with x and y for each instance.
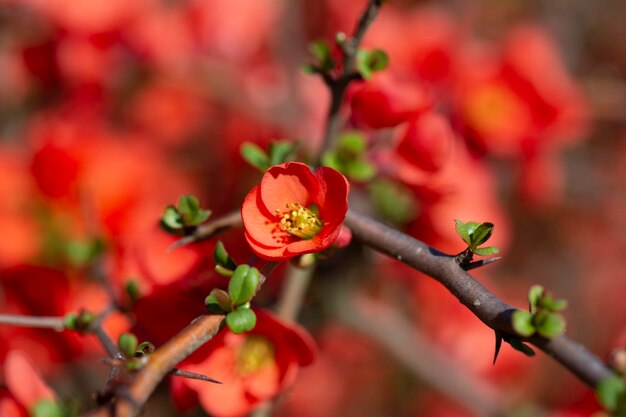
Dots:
(54, 323)
(210, 229)
(294, 290)
(492, 311)
(411, 348)
(339, 84)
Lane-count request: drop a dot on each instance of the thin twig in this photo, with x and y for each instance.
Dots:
(295, 286)
(339, 84)
(492, 311)
(210, 229)
(54, 323)
(192, 375)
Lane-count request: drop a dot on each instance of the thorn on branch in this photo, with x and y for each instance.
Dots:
(478, 264)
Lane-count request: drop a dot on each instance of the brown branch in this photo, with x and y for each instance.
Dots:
(159, 364)
(54, 323)
(210, 229)
(492, 311)
(339, 84)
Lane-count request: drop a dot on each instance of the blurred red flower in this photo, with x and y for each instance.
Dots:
(252, 367)
(26, 387)
(295, 211)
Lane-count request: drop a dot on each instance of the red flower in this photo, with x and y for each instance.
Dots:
(253, 367)
(295, 211)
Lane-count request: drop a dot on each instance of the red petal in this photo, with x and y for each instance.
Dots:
(323, 240)
(260, 225)
(265, 252)
(292, 182)
(332, 195)
(24, 380)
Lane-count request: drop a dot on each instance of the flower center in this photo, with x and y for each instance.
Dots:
(255, 354)
(299, 221)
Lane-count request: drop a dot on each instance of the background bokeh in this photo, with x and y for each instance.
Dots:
(504, 111)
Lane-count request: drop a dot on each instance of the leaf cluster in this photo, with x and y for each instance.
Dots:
(349, 157)
(277, 152)
(475, 234)
(543, 316)
(611, 394)
(243, 285)
(185, 216)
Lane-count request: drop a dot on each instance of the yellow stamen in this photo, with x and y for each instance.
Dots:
(299, 221)
(255, 354)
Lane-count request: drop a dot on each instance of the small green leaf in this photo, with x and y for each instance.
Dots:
(221, 258)
(352, 143)
(331, 159)
(243, 284)
(218, 301)
(549, 325)
(171, 219)
(481, 234)
(255, 156)
(190, 211)
(225, 272)
(534, 295)
(360, 170)
(242, 320)
(486, 251)
(70, 321)
(521, 347)
(47, 408)
(461, 230)
(393, 201)
(81, 252)
(611, 392)
(369, 62)
(127, 343)
(132, 289)
(309, 69)
(558, 305)
(322, 54)
(281, 151)
(145, 348)
(522, 323)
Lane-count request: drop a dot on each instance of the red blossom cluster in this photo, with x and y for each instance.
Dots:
(110, 110)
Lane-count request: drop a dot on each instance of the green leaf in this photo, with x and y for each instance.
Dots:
(171, 219)
(70, 321)
(461, 230)
(190, 211)
(558, 305)
(132, 289)
(611, 392)
(486, 251)
(127, 343)
(522, 323)
(331, 159)
(393, 201)
(145, 348)
(255, 156)
(221, 258)
(521, 347)
(242, 320)
(481, 234)
(309, 69)
(46, 408)
(534, 295)
(322, 54)
(281, 151)
(243, 284)
(352, 143)
(369, 62)
(218, 301)
(225, 272)
(360, 170)
(549, 325)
